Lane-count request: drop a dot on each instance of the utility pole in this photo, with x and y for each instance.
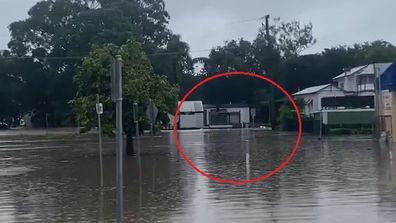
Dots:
(271, 109)
(119, 149)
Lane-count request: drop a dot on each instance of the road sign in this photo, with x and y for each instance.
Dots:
(151, 112)
(99, 108)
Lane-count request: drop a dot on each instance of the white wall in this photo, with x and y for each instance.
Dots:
(310, 101)
(316, 98)
(350, 84)
(189, 121)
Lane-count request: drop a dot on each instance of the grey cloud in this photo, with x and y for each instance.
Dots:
(208, 23)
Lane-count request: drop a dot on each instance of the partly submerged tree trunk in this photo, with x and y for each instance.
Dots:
(129, 144)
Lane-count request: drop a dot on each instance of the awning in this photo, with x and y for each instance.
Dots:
(388, 78)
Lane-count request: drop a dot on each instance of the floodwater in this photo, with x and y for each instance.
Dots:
(339, 179)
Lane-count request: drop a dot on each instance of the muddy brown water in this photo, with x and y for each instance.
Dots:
(339, 179)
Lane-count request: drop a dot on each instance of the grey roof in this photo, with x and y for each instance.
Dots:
(311, 90)
(352, 71)
(366, 69)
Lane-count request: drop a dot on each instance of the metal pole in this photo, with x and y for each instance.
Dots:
(100, 144)
(320, 125)
(247, 153)
(152, 118)
(119, 150)
(46, 123)
(135, 117)
(380, 103)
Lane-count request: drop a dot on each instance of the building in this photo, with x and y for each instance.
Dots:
(195, 115)
(353, 89)
(360, 80)
(191, 115)
(312, 97)
(228, 115)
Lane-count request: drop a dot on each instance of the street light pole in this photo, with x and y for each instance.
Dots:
(119, 149)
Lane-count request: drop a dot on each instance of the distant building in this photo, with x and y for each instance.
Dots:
(195, 115)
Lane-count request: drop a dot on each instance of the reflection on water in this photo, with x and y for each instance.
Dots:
(334, 180)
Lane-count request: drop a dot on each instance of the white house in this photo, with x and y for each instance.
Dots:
(312, 97)
(353, 85)
(360, 80)
(191, 115)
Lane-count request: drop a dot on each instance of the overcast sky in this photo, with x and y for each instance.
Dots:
(204, 24)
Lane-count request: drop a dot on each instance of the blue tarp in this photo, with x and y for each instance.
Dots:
(388, 78)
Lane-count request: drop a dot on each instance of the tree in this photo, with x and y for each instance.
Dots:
(286, 41)
(175, 62)
(139, 85)
(10, 85)
(236, 55)
(266, 55)
(66, 30)
(72, 27)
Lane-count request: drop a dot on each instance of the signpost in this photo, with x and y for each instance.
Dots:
(99, 111)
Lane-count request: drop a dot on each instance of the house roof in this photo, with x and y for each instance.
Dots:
(191, 106)
(311, 90)
(352, 71)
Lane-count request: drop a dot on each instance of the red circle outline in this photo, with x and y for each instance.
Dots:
(237, 182)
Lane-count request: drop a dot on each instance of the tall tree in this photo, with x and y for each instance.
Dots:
(66, 30)
(265, 55)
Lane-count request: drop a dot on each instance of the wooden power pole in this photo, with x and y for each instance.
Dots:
(272, 108)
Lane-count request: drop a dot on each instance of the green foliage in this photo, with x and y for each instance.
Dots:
(140, 84)
(286, 114)
(289, 39)
(64, 27)
(71, 28)
(10, 86)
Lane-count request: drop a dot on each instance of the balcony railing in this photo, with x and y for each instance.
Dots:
(365, 87)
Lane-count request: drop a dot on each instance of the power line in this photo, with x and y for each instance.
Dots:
(152, 54)
(81, 57)
(248, 20)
